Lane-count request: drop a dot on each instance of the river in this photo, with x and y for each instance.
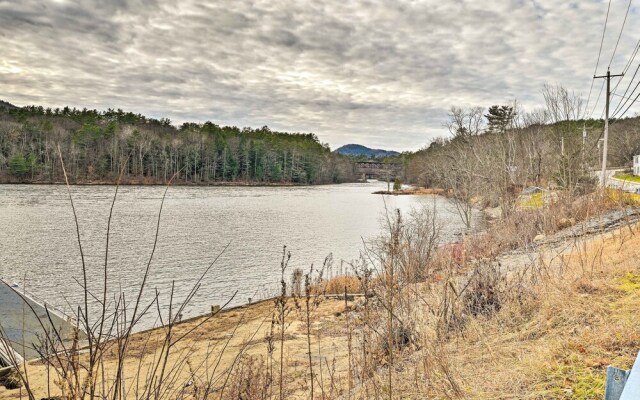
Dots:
(39, 249)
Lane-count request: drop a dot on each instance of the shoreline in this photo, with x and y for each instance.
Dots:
(408, 191)
(217, 184)
(413, 191)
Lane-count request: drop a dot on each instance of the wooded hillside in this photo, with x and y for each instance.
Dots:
(96, 146)
(492, 154)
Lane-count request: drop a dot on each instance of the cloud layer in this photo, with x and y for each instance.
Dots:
(381, 73)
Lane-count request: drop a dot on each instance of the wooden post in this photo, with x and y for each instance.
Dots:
(215, 309)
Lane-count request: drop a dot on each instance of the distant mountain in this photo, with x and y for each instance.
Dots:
(4, 104)
(359, 150)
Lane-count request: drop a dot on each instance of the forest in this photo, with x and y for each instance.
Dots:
(100, 147)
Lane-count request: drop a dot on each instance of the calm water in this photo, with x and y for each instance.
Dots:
(38, 246)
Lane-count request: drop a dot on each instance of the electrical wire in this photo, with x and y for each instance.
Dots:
(604, 30)
(620, 34)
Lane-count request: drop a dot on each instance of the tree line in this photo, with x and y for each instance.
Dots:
(101, 146)
(492, 154)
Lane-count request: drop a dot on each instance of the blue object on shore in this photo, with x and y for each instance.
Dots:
(622, 384)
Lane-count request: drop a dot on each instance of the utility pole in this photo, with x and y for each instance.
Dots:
(603, 178)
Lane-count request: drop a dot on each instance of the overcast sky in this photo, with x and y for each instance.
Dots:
(378, 73)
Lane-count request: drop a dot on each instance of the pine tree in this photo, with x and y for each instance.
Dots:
(500, 118)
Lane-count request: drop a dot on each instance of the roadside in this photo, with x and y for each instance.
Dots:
(626, 185)
(575, 315)
(565, 240)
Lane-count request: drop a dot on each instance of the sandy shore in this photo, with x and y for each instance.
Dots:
(221, 340)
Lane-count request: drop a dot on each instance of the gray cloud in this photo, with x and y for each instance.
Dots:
(381, 73)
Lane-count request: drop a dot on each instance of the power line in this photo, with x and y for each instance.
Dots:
(620, 34)
(625, 98)
(608, 76)
(633, 56)
(627, 66)
(597, 99)
(595, 70)
(627, 109)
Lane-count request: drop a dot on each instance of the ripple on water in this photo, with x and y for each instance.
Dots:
(39, 246)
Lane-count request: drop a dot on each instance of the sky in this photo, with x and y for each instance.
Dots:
(379, 73)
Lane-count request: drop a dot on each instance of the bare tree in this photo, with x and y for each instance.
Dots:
(624, 143)
(465, 121)
(562, 105)
(538, 117)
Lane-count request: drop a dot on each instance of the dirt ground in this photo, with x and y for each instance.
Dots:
(220, 340)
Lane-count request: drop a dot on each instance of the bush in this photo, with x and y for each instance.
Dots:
(483, 296)
(397, 184)
(19, 165)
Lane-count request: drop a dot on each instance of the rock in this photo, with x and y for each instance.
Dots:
(493, 213)
(10, 379)
(540, 237)
(566, 222)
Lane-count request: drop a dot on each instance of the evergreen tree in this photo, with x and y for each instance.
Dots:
(18, 166)
(500, 118)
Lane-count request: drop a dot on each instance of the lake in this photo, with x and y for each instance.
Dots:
(39, 249)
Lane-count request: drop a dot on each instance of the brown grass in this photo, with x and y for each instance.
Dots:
(578, 315)
(338, 285)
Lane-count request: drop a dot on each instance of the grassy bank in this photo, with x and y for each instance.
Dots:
(555, 338)
(629, 178)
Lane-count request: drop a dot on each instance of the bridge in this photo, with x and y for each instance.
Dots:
(378, 170)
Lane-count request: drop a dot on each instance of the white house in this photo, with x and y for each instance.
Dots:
(636, 165)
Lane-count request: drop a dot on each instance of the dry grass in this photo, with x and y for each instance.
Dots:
(621, 197)
(578, 315)
(535, 200)
(338, 285)
(522, 227)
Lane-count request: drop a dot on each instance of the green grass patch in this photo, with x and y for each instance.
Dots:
(628, 178)
(630, 282)
(535, 200)
(572, 379)
(618, 195)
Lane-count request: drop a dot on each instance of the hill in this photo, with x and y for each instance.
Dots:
(359, 150)
(7, 105)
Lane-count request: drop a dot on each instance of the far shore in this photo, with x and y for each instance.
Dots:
(414, 191)
(175, 183)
